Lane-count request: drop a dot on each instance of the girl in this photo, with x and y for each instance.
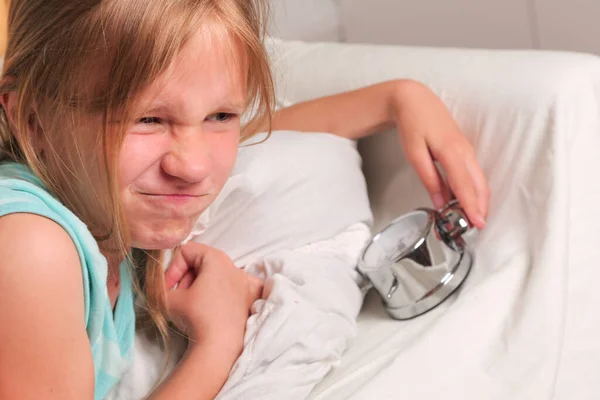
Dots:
(120, 126)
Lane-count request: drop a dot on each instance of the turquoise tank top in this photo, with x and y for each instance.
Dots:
(111, 335)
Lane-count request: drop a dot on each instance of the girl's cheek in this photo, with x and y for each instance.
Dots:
(226, 153)
(138, 154)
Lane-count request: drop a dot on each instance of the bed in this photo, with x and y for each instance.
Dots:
(524, 324)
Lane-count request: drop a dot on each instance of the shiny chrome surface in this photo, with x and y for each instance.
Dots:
(418, 260)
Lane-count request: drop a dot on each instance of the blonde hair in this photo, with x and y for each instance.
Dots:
(53, 48)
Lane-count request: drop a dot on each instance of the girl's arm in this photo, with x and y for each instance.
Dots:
(354, 114)
(428, 134)
(44, 349)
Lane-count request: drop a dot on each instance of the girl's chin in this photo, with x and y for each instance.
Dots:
(162, 239)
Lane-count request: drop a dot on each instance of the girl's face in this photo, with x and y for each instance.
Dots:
(180, 152)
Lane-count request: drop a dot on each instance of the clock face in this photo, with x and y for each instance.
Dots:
(398, 239)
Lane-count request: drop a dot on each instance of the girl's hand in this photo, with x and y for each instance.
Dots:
(427, 131)
(212, 299)
(429, 134)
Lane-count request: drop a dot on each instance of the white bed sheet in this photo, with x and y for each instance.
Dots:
(525, 324)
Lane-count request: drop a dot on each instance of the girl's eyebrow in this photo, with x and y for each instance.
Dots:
(156, 108)
(232, 105)
(228, 105)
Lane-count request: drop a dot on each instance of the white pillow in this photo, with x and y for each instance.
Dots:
(291, 190)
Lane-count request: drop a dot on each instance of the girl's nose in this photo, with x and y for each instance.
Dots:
(190, 157)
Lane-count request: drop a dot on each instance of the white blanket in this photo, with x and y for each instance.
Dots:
(301, 331)
(526, 323)
(295, 212)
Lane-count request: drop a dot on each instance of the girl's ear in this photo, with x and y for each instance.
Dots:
(9, 103)
(9, 98)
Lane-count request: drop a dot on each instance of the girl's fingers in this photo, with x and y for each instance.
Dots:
(255, 289)
(481, 187)
(420, 158)
(178, 268)
(187, 280)
(462, 173)
(188, 258)
(447, 194)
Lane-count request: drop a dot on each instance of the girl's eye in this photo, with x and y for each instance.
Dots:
(149, 120)
(221, 117)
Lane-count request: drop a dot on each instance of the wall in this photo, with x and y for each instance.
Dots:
(314, 20)
(539, 24)
(515, 24)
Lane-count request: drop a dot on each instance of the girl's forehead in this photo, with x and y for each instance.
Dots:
(214, 42)
(209, 67)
